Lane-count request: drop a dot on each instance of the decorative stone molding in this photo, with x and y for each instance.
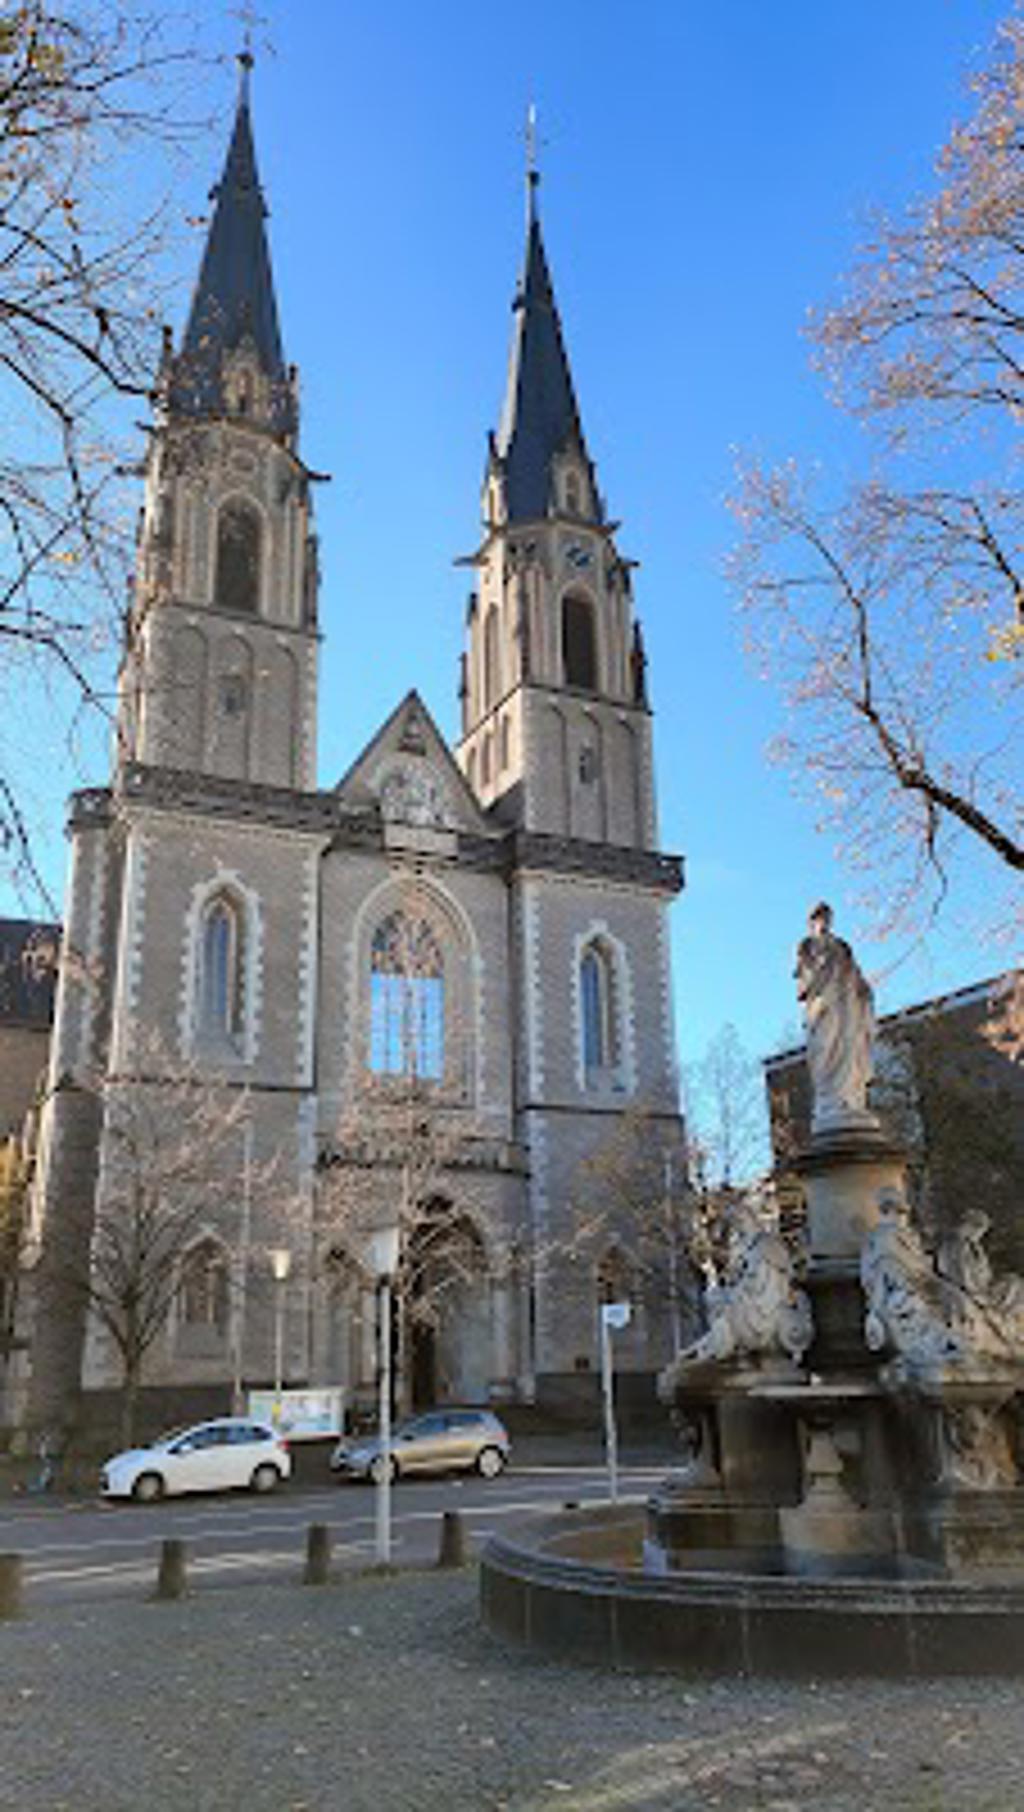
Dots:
(224, 880)
(308, 964)
(467, 1000)
(621, 1077)
(129, 966)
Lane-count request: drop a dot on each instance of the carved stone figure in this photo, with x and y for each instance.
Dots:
(978, 1449)
(952, 1312)
(756, 1307)
(412, 796)
(839, 1013)
(988, 1312)
(903, 1294)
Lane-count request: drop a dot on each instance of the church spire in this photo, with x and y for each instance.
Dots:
(540, 422)
(234, 311)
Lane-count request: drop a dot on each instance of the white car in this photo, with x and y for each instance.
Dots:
(230, 1452)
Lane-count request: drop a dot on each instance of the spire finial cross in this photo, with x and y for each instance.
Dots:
(249, 18)
(533, 141)
(532, 172)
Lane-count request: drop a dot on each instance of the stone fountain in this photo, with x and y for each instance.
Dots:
(858, 1397)
(850, 1497)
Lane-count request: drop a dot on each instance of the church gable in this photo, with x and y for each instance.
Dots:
(408, 771)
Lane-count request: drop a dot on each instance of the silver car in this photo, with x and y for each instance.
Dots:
(442, 1440)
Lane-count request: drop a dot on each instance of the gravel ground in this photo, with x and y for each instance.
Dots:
(385, 1693)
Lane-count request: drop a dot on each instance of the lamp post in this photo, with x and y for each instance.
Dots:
(613, 1315)
(383, 1248)
(281, 1265)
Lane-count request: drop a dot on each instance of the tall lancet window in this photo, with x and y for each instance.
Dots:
(598, 1010)
(239, 552)
(492, 659)
(579, 643)
(406, 1000)
(220, 976)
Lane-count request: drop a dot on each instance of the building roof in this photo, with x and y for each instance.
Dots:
(540, 418)
(28, 972)
(986, 993)
(234, 297)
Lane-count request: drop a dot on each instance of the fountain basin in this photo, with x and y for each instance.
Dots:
(573, 1586)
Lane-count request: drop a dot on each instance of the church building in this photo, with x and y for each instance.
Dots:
(441, 985)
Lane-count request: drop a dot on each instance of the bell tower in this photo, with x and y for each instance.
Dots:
(219, 676)
(555, 719)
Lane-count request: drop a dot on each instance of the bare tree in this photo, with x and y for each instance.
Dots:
(632, 1223)
(81, 90)
(727, 1115)
(169, 1177)
(894, 621)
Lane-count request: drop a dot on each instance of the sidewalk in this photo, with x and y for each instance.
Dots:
(384, 1695)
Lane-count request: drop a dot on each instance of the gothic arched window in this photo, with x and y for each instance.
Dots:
(579, 643)
(203, 1289)
(598, 1009)
(220, 969)
(239, 548)
(572, 493)
(492, 681)
(406, 1000)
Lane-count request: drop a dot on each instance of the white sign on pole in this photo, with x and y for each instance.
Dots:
(616, 1315)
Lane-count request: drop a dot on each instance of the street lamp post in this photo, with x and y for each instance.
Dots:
(613, 1315)
(281, 1265)
(383, 1255)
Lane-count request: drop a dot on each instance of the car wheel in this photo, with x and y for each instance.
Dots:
(148, 1487)
(380, 1469)
(489, 1462)
(265, 1478)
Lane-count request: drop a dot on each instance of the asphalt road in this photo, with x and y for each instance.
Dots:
(84, 1550)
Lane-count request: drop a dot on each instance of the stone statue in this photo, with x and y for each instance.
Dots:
(949, 1313)
(988, 1312)
(978, 1452)
(839, 1012)
(903, 1294)
(755, 1307)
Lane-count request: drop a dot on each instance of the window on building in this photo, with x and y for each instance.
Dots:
(572, 493)
(203, 1290)
(406, 1000)
(485, 759)
(220, 969)
(598, 1009)
(579, 643)
(503, 744)
(492, 676)
(239, 547)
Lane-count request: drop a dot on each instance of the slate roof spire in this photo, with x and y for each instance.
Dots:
(233, 304)
(540, 419)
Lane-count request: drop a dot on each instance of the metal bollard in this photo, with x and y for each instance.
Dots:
(318, 1555)
(10, 1586)
(454, 1548)
(172, 1574)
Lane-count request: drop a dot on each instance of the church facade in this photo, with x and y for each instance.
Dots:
(442, 985)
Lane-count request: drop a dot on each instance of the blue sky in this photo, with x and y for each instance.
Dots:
(708, 173)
